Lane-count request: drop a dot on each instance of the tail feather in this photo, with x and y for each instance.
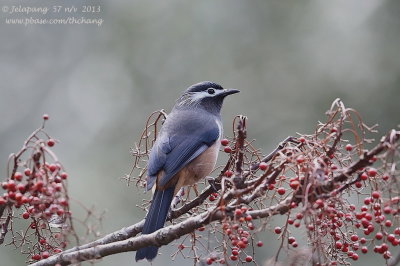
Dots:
(155, 220)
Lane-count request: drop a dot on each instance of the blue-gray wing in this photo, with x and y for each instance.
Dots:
(157, 159)
(171, 154)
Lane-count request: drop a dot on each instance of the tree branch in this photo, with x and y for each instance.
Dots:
(126, 239)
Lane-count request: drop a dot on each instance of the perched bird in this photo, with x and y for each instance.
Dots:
(185, 151)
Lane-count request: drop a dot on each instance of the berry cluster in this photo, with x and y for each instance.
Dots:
(319, 205)
(333, 224)
(237, 236)
(37, 188)
(39, 192)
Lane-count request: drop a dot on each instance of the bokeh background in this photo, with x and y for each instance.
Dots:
(290, 59)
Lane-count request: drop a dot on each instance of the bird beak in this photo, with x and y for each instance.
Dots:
(227, 92)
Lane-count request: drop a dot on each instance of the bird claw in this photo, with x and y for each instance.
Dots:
(211, 181)
(177, 199)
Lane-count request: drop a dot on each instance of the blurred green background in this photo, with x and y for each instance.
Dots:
(290, 59)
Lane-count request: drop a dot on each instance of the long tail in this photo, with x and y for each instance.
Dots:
(155, 220)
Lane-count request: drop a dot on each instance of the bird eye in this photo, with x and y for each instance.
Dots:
(211, 91)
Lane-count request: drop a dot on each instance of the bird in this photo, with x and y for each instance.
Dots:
(185, 151)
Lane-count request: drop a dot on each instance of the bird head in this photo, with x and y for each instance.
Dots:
(207, 95)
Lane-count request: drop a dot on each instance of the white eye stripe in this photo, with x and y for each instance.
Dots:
(195, 96)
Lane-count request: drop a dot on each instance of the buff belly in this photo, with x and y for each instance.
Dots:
(196, 170)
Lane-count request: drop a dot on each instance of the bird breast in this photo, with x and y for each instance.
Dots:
(202, 165)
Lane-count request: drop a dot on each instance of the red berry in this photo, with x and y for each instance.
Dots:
(18, 196)
(228, 173)
(278, 230)
(294, 184)
(319, 203)
(354, 238)
(52, 167)
(387, 255)
(238, 212)
(281, 190)
(349, 147)
(302, 139)
(36, 257)
(379, 236)
(241, 244)
(372, 172)
(209, 261)
(263, 166)
(367, 201)
(299, 216)
(387, 210)
(364, 176)
(250, 226)
(50, 142)
(391, 238)
(18, 176)
(388, 223)
(358, 185)
(45, 254)
(42, 241)
(45, 117)
(11, 194)
(228, 149)
(249, 259)
(27, 172)
(338, 245)
(375, 195)
(64, 202)
(201, 229)
(248, 218)
(260, 244)
(57, 250)
(233, 257)
(300, 159)
(224, 142)
(354, 256)
(364, 249)
(21, 188)
(291, 240)
(295, 245)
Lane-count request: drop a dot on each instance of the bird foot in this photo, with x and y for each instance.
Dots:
(177, 199)
(211, 181)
